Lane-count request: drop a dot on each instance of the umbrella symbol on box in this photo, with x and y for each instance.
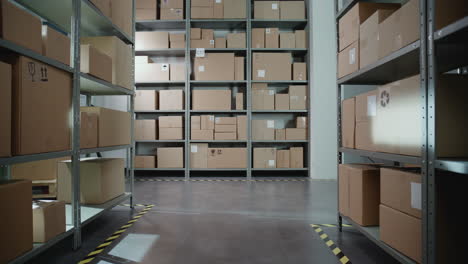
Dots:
(384, 98)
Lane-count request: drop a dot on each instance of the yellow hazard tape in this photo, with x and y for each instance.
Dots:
(330, 244)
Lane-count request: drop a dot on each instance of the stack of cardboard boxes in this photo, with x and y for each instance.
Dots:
(147, 72)
(271, 38)
(270, 158)
(209, 127)
(279, 10)
(219, 9)
(154, 40)
(265, 130)
(168, 10)
(165, 158)
(266, 99)
(169, 128)
(202, 156)
(149, 100)
(218, 67)
(205, 38)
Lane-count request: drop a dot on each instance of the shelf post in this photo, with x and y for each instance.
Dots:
(188, 88)
(248, 89)
(131, 109)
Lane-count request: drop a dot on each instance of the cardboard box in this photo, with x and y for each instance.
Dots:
(95, 63)
(145, 100)
(449, 12)
(263, 129)
(199, 12)
(267, 10)
(195, 33)
(227, 158)
(207, 3)
(220, 43)
(364, 136)
(195, 122)
(207, 33)
(263, 99)
(264, 158)
(172, 4)
(88, 131)
(239, 101)
(282, 101)
(258, 38)
(172, 14)
(144, 3)
(121, 55)
(280, 134)
(16, 225)
(42, 170)
(177, 72)
(177, 44)
(348, 122)
(272, 66)
(101, 180)
(225, 135)
(176, 36)
(287, 40)
(207, 122)
(239, 68)
(152, 72)
(296, 157)
(122, 14)
(298, 97)
(402, 232)
(105, 6)
(348, 60)
(301, 122)
(205, 134)
(175, 133)
(236, 40)
(170, 157)
(242, 127)
(225, 121)
(214, 67)
(366, 106)
(202, 44)
(301, 39)
(48, 220)
(146, 14)
(20, 27)
(292, 10)
(299, 71)
(232, 9)
(343, 189)
(145, 130)
(145, 162)
(171, 100)
(113, 126)
(296, 134)
(198, 156)
(282, 158)
(271, 38)
(218, 9)
(37, 126)
(226, 128)
(211, 99)
(55, 45)
(5, 109)
(170, 121)
(151, 40)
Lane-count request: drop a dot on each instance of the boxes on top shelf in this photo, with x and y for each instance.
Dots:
(55, 45)
(201, 12)
(145, 9)
(267, 10)
(5, 109)
(43, 170)
(292, 10)
(172, 3)
(95, 63)
(172, 13)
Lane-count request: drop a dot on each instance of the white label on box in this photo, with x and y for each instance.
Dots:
(217, 120)
(271, 163)
(352, 56)
(201, 68)
(164, 67)
(416, 195)
(194, 149)
(274, 6)
(261, 73)
(371, 105)
(271, 124)
(212, 42)
(211, 118)
(295, 97)
(200, 52)
(267, 30)
(271, 92)
(219, 1)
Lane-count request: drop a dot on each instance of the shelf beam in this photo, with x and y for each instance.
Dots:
(383, 156)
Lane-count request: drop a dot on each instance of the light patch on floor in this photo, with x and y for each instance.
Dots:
(104, 262)
(134, 246)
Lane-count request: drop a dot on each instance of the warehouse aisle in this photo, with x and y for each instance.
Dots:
(228, 221)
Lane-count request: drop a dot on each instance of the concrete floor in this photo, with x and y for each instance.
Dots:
(227, 222)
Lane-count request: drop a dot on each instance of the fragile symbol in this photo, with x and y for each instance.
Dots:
(32, 70)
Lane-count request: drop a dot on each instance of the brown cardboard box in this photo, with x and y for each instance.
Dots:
(287, 40)
(55, 45)
(170, 157)
(42, 170)
(363, 136)
(241, 127)
(218, 9)
(177, 72)
(20, 27)
(202, 43)
(101, 180)
(172, 4)
(176, 37)
(348, 122)
(343, 189)
(232, 9)
(267, 10)
(236, 40)
(214, 67)
(195, 33)
(225, 135)
(282, 158)
(296, 134)
(88, 130)
(172, 13)
(174, 133)
(402, 232)
(121, 15)
(171, 100)
(177, 44)
(292, 10)
(401, 190)
(301, 39)
(170, 121)
(145, 130)
(152, 72)
(299, 71)
(205, 134)
(195, 122)
(271, 38)
(225, 121)
(5, 109)
(258, 38)
(220, 43)
(199, 12)
(211, 99)
(207, 122)
(37, 126)
(297, 97)
(263, 99)
(146, 14)
(199, 156)
(272, 66)
(150, 40)
(348, 60)
(263, 129)
(121, 55)
(95, 63)
(296, 158)
(280, 134)
(227, 158)
(449, 12)
(15, 226)
(239, 68)
(207, 3)
(145, 162)
(207, 33)
(145, 100)
(226, 128)
(113, 126)
(282, 101)
(264, 158)
(105, 6)
(301, 122)
(239, 101)
(48, 220)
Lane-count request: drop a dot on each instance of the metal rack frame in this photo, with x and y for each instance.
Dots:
(76, 17)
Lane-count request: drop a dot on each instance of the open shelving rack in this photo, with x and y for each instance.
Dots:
(76, 17)
(236, 25)
(449, 44)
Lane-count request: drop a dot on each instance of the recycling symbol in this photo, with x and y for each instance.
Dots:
(384, 98)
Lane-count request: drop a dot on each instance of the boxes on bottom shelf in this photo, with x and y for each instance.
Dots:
(89, 130)
(227, 158)
(145, 130)
(296, 157)
(267, 10)
(48, 220)
(263, 129)
(271, 66)
(95, 63)
(282, 158)
(56, 45)
(145, 162)
(5, 109)
(146, 100)
(199, 156)
(113, 126)
(264, 158)
(170, 157)
(292, 10)
(171, 100)
(211, 99)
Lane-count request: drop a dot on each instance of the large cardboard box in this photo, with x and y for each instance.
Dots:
(264, 158)
(202, 12)
(42, 170)
(263, 99)
(199, 156)
(236, 40)
(170, 121)
(89, 130)
(296, 134)
(171, 100)
(95, 63)
(348, 122)
(225, 135)
(211, 99)
(402, 232)
(287, 40)
(170, 157)
(267, 10)
(220, 43)
(152, 72)
(101, 180)
(172, 4)
(195, 122)
(145, 100)
(207, 122)
(282, 158)
(113, 126)
(20, 27)
(292, 10)
(263, 129)
(105, 6)
(37, 126)
(121, 15)
(146, 14)
(232, 9)
(271, 38)
(258, 38)
(299, 71)
(296, 157)
(449, 12)
(145, 130)
(272, 66)
(239, 101)
(348, 60)
(121, 55)
(145, 162)
(150, 40)
(282, 101)
(171, 133)
(48, 220)
(16, 224)
(239, 68)
(280, 134)
(55, 45)
(242, 127)
(298, 97)
(202, 134)
(227, 158)
(214, 67)
(172, 13)
(177, 72)
(5, 109)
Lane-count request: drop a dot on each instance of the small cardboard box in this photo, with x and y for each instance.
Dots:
(348, 122)
(95, 63)
(263, 99)
(298, 97)
(225, 121)
(225, 135)
(236, 40)
(301, 39)
(152, 72)
(173, 133)
(198, 156)
(267, 10)
(146, 14)
(5, 109)
(207, 34)
(241, 127)
(170, 121)
(292, 10)
(56, 45)
(113, 126)
(348, 60)
(88, 131)
(296, 134)
(272, 66)
(48, 220)
(299, 71)
(211, 99)
(202, 12)
(195, 122)
(280, 134)
(226, 128)
(170, 157)
(195, 33)
(282, 158)
(282, 101)
(179, 44)
(264, 158)
(263, 129)
(145, 130)
(232, 9)
(220, 43)
(202, 44)
(207, 122)
(239, 101)
(177, 72)
(227, 158)
(145, 162)
(205, 134)
(301, 122)
(296, 157)
(214, 67)
(171, 100)
(42, 170)
(172, 14)
(172, 4)
(145, 100)
(239, 71)
(176, 37)
(287, 40)
(258, 38)
(150, 40)
(271, 38)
